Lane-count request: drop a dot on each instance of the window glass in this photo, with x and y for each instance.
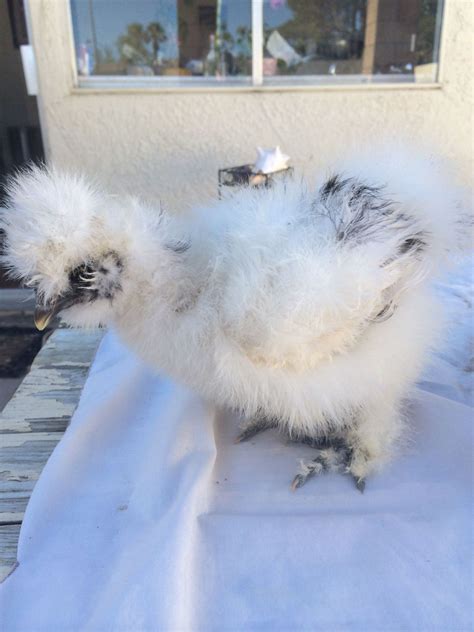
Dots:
(163, 38)
(329, 38)
(304, 41)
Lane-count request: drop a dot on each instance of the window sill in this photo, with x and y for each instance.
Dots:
(127, 85)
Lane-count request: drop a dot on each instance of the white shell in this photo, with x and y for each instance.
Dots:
(270, 160)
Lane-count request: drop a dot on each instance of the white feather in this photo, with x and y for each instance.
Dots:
(276, 306)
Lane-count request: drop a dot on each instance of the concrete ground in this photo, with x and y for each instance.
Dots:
(16, 313)
(8, 386)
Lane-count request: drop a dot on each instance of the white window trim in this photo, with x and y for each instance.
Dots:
(257, 42)
(254, 83)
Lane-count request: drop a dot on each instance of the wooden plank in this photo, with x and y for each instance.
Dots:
(13, 501)
(9, 535)
(47, 397)
(33, 423)
(22, 459)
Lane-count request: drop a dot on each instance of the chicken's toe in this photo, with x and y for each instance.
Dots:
(311, 468)
(254, 427)
(336, 458)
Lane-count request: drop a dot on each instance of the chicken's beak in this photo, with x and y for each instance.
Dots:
(45, 313)
(42, 316)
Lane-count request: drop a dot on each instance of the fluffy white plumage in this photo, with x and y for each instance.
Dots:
(306, 309)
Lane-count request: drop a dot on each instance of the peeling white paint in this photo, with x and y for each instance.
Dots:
(33, 423)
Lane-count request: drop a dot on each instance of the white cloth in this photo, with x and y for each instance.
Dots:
(148, 518)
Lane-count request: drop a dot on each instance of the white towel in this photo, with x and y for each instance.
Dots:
(148, 518)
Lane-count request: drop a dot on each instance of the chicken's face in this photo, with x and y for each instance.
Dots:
(69, 241)
(87, 293)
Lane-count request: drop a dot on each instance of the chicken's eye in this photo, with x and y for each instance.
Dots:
(97, 278)
(82, 274)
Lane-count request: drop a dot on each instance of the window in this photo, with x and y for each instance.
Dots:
(255, 42)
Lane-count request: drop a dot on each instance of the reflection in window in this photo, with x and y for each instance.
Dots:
(304, 41)
(350, 37)
(167, 38)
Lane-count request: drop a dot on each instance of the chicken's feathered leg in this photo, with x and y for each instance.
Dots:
(373, 437)
(366, 446)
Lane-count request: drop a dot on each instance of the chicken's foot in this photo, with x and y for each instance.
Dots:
(254, 427)
(334, 457)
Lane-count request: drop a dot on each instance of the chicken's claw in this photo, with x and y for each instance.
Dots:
(359, 483)
(298, 481)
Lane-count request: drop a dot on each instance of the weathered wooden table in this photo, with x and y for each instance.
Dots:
(34, 421)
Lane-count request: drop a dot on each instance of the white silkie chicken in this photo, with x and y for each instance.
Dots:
(309, 310)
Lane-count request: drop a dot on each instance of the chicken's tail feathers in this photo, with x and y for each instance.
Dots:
(400, 215)
(433, 208)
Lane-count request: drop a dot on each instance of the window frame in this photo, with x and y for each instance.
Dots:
(256, 82)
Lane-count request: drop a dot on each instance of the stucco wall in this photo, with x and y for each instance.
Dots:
(171, 144)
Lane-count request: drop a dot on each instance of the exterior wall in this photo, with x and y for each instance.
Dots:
(170, 144)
